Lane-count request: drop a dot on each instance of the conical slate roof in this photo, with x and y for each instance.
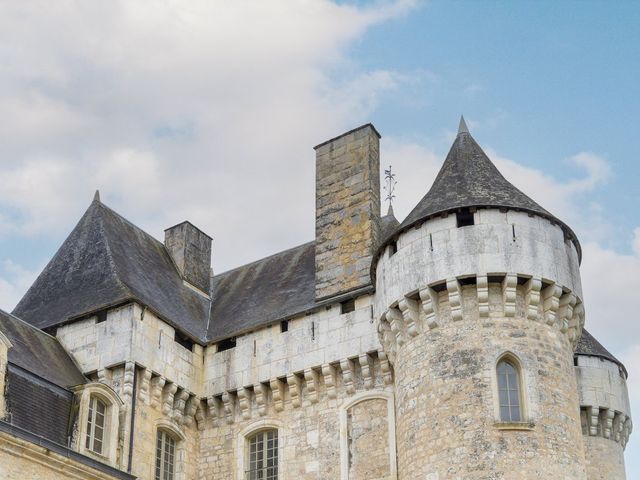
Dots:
(107, 261)
(468, 178)
(388, 224)
(589, 346)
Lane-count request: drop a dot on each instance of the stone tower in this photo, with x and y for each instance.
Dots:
(479, 308)
(604, 409)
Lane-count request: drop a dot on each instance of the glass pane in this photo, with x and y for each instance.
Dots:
(263, 456)
(515, 414)
(97, 446)
(504, 414)
(504, 397)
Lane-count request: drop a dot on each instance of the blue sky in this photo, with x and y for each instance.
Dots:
(209, 112)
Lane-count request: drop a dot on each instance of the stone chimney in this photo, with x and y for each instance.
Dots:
(190, 249)
(347, 210)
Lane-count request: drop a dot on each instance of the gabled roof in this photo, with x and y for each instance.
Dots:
(468, 178)
(106, 261)
(263, 292)
(589, 346)
(39, 353)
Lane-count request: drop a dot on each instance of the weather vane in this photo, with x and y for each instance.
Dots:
(390, 186)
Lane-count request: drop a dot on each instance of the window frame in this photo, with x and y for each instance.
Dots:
(512, 404)
(164, 438)
(242, 446)
(110, 435)
(391, 426)
(263, 452)
(525, 422)
(171, 429)
(96, 401)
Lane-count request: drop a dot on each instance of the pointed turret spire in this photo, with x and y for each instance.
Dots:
(462, 128)
(468, 178)
(390, 210)
(96, 196)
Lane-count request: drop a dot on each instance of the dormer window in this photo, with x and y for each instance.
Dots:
(98, 422)
(96, 425)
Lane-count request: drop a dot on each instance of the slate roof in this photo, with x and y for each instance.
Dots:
(468, 178)
(588, 345)
(388, 224)
(106, 261)
(263, 292)
(39, 353)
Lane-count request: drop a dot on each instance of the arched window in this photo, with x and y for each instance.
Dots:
(509, 390)
(96, 421)
(165, 456)
(262, 456)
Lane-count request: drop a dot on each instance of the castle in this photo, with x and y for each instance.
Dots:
(448, 346)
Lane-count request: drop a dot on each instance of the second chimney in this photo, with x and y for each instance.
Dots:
(190, 249)
(347, 210)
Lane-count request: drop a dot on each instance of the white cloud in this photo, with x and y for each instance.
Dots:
(15, 280)
(198, 110)
(565, 198)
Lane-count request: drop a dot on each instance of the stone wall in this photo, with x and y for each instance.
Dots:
(447, 406)
(133, 334)
(322, 338)
(347, 210)
(498, 242)
(605, 459)
(368, 445)
(313, 430)
(605, 415)
(23, 460)
(5, 344)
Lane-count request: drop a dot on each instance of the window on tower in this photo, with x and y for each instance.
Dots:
(464, 217)
(509, 390)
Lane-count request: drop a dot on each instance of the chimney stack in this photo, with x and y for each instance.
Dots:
(190, 249)
(347, 210)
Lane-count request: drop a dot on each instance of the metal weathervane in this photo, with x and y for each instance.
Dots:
(390, 186)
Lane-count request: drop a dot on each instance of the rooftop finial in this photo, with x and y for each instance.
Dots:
(96, 196)
(463, 126)
(390, 186)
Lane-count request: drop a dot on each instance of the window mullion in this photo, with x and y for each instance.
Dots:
(92, 427)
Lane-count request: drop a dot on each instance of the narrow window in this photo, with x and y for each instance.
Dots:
(464, 217)
(95, 425)
(101, 316)
(509, 391)
(183, 340)
(263, 456)
(165, 456)
(226, 344)
(284, 326)
(348, 306)
(393, 248)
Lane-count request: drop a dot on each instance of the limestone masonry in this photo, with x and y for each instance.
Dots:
(450, 345)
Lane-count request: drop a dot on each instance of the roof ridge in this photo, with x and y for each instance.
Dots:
(264, 258)
(112, 263)
(131, 224)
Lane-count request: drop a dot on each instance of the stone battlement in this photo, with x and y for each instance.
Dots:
(475, 297)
